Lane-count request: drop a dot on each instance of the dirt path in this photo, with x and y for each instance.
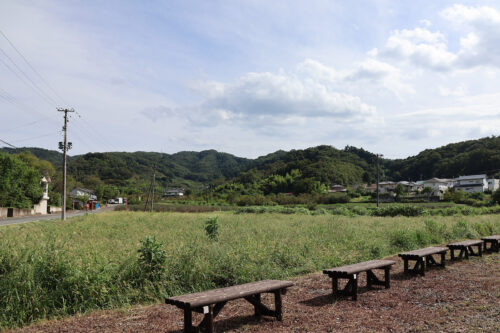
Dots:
(463, 297)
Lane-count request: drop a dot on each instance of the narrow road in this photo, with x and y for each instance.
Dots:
(56, 216)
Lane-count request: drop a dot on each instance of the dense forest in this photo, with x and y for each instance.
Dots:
(295, 171)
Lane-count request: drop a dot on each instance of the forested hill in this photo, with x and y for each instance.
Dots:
(463, 158)
(323, 163)
(52, 156)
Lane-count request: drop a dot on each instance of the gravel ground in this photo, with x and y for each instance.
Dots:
(463, 297)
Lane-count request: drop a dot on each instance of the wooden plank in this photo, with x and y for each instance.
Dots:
(359, 267)
(227, 294)
(423, 252)
(494, 237)
(466, 243)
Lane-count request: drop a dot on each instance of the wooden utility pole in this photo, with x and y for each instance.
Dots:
(65, 146)
(153, 189)
(378, 179)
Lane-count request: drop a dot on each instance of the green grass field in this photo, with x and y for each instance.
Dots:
(57, 268)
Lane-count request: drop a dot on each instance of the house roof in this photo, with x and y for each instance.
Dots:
(82, 190)
(472, 177)
(438, 180)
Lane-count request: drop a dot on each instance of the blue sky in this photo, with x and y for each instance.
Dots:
(250, 77)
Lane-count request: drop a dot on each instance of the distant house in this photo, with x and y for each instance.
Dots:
(471, 184)
(439, 185)
(337, 188)
(79, 192)
(386, 187)
(410, 186)
(493, 184)
(174, 193)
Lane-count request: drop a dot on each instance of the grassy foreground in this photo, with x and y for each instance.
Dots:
(59, 268)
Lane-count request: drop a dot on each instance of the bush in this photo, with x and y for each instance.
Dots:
(152, 259)
(398, 210)
(212, 228)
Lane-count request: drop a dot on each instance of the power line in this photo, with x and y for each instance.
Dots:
(33, 85)
(32, 68)
(35, 137)
(24, 125)
(12, 100)
(8, 143)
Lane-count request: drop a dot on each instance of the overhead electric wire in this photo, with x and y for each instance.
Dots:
(8, 144)
(33, 85)
(32, 68)
(35, 137)
(9, 98)
(90, 130)
(24, 125)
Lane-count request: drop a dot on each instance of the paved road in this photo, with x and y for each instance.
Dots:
(56, 216)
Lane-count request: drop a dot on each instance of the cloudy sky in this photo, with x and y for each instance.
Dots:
(249, 77)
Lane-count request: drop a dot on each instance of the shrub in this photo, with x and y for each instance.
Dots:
(152, 259)
(398, 210)
(212, 228)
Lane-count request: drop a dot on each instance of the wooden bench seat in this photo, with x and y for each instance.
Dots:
(211, 302)
(494, 241)
(351, 272)
(423, 257)
(466, 249)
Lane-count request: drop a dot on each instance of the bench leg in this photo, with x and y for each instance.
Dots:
(421, 266)
(257, 309)
(443, 255)
(480, 250)
(278, 305)
(209, 317)
(387, 276)
(335, 286)
(188, 320)
(405, 266)
(452, 254)
(354, 287)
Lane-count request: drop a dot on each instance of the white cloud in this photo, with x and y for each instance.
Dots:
(419, 46)
(480, 46)
(279, 99)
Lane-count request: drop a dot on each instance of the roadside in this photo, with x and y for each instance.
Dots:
(56, 216)
(463, 297)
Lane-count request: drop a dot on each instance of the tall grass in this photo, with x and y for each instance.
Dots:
(57, 268)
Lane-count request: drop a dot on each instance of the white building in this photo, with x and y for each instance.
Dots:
(439, 185)
(493, 184)
(174, 193)
(81, 192)
(471, 184)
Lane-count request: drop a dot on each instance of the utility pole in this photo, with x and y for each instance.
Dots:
(378, 179)
(153, 188)
(65, 146)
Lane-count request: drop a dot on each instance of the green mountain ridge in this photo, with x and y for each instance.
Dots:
(323, 163)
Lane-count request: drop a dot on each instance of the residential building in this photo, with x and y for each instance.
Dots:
(493, 184)
(439, 185)
(82, 192)
(337, 188)
(471, 184)
(386, 187)
(174, 193)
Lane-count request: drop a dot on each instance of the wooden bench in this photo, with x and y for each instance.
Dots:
(351, 272)
(466, 248)
(423, 257)
(494, 241)
(211, 302)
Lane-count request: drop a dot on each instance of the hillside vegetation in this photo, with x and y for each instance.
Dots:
(323, 164)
